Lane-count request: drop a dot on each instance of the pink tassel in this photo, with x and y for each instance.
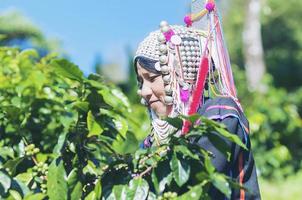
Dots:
(210, 6)
(168, 35)
(188, 20)
(184, 95)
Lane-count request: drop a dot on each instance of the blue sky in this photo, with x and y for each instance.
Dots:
(91, 27)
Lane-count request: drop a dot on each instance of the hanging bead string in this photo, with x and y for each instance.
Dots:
(190, 18)
(226, 86)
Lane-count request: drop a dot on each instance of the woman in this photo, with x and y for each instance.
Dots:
(179, 72)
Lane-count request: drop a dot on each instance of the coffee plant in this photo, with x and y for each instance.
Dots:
(67, 136)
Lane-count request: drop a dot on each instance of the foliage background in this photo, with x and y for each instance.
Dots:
(38, 112)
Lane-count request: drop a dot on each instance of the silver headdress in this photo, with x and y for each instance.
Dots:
(177, 50)
(189, 59)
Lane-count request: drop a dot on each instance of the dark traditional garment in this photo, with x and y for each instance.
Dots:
(241, 166)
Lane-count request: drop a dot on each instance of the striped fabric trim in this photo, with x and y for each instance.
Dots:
(222, 107)
(229, 108)
(241, 176)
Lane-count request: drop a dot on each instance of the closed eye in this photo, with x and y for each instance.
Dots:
(152, 78)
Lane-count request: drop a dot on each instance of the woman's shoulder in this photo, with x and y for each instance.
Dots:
(219, 104)
(221, 108)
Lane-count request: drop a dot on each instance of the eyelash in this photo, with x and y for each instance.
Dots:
(153, 78)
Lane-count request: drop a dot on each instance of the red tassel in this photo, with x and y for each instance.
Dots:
(198, 92)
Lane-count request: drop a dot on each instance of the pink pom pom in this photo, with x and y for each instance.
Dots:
(210, 6)
(169, 34)
(188, 20)
(184, 95)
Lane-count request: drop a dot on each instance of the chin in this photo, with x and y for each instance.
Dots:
(160, 109)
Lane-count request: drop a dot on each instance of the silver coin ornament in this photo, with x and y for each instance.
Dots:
(176, 40)
(157, 66)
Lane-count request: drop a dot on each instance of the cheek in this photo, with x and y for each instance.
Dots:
(158, 87)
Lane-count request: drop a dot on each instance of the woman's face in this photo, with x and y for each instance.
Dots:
(153, 91)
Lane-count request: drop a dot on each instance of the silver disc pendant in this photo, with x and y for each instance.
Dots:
(176, 40)
(157, 66)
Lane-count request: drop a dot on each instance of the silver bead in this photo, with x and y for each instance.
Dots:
(163, 59)
(161, 38)
(184, 63)
(168, 100)
(187, 48)
(165, 29)
(190, 75)
(190, 69)
(182, 53)
(166, 79)
(183, 58)
(163, 23)
(193, 53)
(190, 64)
(189, 58)
(165, 69)
(184, 69)
(193, 58)
(176, 40)
(196, 43)
(157, 66)
(192, 48)
(186, 43)
(163, 48)
(181, 48)
(188, 53)
(168, 90)
(191, 43)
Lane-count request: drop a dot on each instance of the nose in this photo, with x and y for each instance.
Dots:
(146, 92)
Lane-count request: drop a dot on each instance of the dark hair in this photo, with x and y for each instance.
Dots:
(146, 63)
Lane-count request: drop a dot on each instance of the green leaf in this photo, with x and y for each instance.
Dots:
(81, 106)
(220, 128)
(93, 126)
(176, 122)
(77, 191)
(138, 189)
(118, 193)
(185, 151)
(57, 181)
(5, 182)
(208, 164)
(67, 69)
(151, 196)
(16, 195)
(221, 184)
(96, 193)
(220, 144)
(191, 118)
(37, 196)
(74, 185)
(161, 176)
(180, 169)
(128, 145)
(29, 53)
(61, 140)
(12, 164)
(25, 177)
(193, 194)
